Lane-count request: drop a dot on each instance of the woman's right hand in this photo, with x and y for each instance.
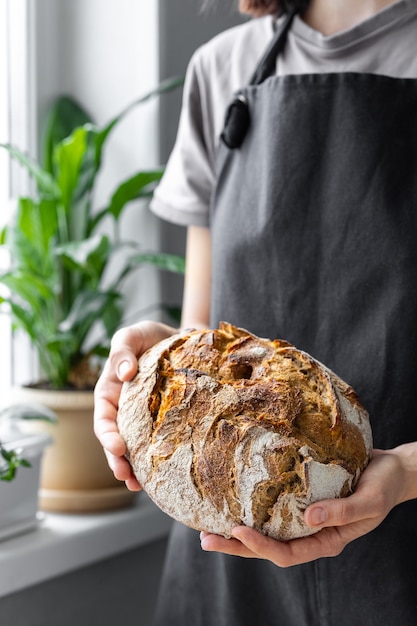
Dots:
(127, 345)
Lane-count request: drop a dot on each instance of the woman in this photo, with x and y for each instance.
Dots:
(301, 225)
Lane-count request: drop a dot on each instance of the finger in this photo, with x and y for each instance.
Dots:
(130, 342)
(119, 466)
(132, 484)
(233, 547)
(325, 543)
(249, 543)
(338, 512)
(112, 442)
(106, 400)
(123, 472)
(375, 494)
(120, 367)
(105, 426)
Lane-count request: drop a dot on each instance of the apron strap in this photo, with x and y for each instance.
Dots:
(267, 63)
(237, 115)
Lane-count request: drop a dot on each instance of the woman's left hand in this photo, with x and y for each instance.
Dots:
(389, 479)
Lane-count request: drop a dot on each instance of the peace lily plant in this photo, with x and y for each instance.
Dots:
(59, 257)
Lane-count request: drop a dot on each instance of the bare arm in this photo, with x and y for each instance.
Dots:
(196, 301)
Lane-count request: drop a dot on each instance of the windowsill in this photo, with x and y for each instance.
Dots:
(62, 543)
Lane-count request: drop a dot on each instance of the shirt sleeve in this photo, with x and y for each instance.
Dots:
(183, 195)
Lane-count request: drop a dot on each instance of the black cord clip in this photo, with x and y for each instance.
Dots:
(236, 123)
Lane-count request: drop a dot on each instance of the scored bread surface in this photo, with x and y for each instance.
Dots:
(224, 428)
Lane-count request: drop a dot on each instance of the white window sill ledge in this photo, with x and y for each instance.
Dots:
(62, 543)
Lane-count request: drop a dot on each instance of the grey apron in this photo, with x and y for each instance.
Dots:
(314, 231)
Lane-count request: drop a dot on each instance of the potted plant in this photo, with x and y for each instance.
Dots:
(60, 293)
(20, 463)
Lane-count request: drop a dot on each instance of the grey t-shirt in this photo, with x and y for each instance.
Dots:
(384, 44)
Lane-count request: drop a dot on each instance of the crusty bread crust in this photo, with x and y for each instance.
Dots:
(224, 428)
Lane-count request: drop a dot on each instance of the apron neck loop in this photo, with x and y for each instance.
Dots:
(267, 64)
(237, 115)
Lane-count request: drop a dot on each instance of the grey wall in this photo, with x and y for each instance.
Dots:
(183, 27)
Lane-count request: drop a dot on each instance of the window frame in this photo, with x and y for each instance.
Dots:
(18, 127)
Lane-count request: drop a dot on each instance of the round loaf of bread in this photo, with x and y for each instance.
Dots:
(224, 428)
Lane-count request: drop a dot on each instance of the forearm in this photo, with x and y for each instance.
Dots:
(407, 455)
(196, 301)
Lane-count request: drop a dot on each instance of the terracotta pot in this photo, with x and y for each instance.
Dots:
(75, 476)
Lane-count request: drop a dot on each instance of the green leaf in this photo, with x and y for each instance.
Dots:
(164, 86)
(36, 222)
(168, 262)
(101, 350)
(13, 462)
(28, 412)
(68, 158)
(22, 319)
(87, 309)
(112, 315)
(63, 117)
(6, 454)
(46, 184)
(88, 256)
(90, 164)
(163, 261)
(175, 312)
(83, 150)
(29, 237)
(140, 185)
(31, 289)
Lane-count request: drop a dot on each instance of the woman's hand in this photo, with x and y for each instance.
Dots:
(389, 479)
(122, 365)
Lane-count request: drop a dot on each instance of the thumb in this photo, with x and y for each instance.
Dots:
(127, 367)
(337, 512)
(377, 492)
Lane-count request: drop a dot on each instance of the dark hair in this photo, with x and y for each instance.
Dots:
(264, 7)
